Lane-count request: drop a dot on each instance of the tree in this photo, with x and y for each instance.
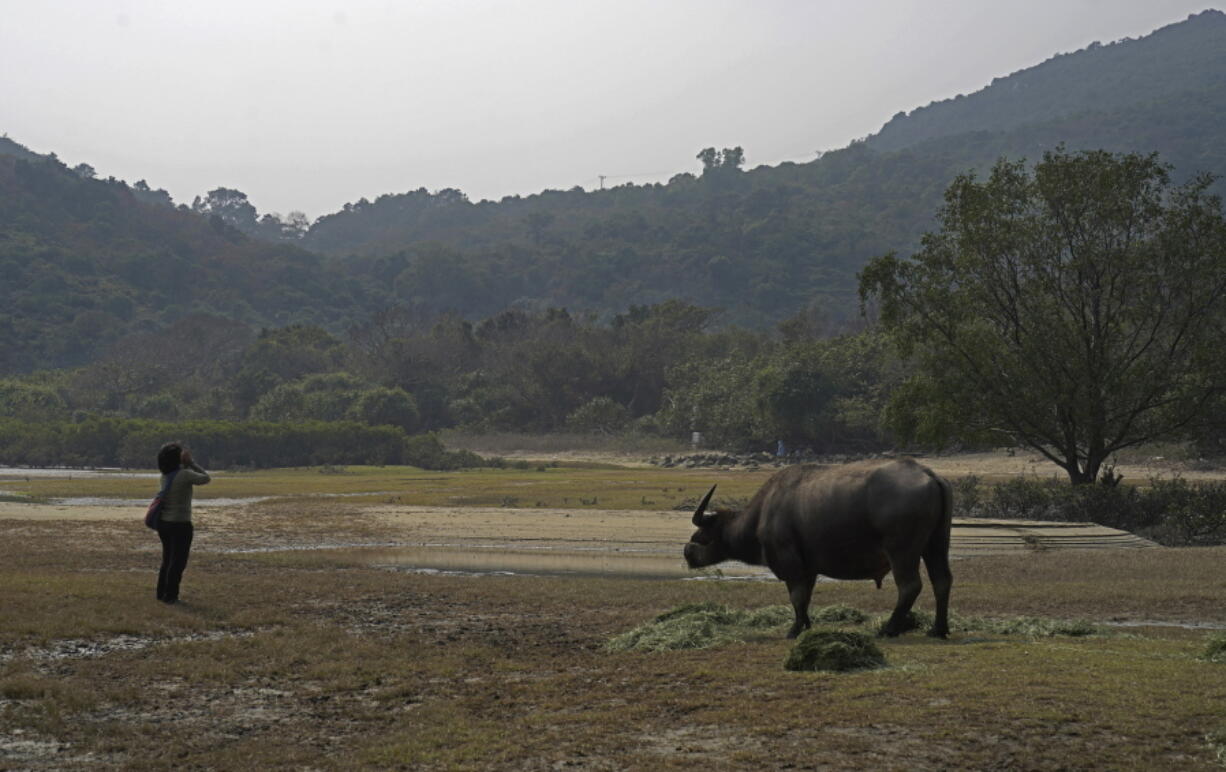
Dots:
(142, 191)
(383, 406)
(709, 157)
(734, 157)
(538, 223)
(1077, 309)
(291, 227)
(793, 395)
(728, 160)
(231, 206)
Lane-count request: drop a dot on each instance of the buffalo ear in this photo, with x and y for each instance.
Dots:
(702, 507)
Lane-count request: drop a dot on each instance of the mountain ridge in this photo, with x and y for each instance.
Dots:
(1125, 79)
(79, 255)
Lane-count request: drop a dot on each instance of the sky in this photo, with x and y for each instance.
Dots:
(307, 105)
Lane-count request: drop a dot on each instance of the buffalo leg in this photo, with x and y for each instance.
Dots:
(937, 563)
(800, 591)
(907, 578)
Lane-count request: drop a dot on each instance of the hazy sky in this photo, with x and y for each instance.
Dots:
(310, 104)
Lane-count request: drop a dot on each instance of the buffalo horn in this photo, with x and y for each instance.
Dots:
(702, 506)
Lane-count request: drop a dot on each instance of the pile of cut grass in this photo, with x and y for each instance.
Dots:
(1030, 627)
(838, 614)
(705, 625)
(1025, 626)
(839, 651)
(701, 626)
(1215, 648)
(1217, 743)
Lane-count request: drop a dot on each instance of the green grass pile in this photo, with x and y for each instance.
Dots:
(701, 626)
(1215, 648)
(838, 614)
(704, 625)
(916, 619)
(1031, 627)
(1217, 743)
(837, 651)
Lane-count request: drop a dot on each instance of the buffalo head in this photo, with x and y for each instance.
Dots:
(706, 547)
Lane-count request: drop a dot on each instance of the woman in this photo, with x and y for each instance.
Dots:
(179, 475)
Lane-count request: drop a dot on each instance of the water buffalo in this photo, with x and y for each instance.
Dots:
(859, 521)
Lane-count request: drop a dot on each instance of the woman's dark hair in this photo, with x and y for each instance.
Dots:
(170, 457)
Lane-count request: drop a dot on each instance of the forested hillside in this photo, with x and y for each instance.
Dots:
(758, 244)
(1176, 63)
(766, 243)
(85, 261)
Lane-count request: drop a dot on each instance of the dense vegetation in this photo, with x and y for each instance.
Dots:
(1172, 512)
(87, 261)
(1180, 59)
(655, 370)
(1077, 310)
(103, 442)
(723, 302)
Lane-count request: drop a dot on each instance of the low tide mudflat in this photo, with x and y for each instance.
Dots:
(314, 633)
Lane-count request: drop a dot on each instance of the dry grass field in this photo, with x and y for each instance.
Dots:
(310, 638)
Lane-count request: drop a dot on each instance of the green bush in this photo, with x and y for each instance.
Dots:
(1173, 512)
(133, 443)
(1193, 514)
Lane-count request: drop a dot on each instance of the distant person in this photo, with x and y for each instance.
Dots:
(175, 526)
(780, 450)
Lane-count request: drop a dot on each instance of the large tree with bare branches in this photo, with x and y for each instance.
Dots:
(1077, 308)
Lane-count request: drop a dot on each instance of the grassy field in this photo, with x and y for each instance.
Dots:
(314, 658)
(572, 484)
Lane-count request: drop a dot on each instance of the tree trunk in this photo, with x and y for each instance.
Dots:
(1085, 474)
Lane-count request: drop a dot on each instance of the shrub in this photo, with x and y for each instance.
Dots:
(1188, 514)
(1172, 512)
(834, 650)
(968, 496)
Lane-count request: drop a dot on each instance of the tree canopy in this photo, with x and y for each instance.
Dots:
(1077, 308)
